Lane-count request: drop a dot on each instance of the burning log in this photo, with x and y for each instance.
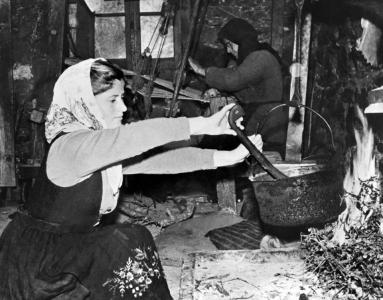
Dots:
(347, 255)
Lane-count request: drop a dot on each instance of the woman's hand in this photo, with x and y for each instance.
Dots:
(210, 93)
(196, 67)
(216, 124)
(228, 158)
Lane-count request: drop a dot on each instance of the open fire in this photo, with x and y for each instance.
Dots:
(347, 256)
(361, 185)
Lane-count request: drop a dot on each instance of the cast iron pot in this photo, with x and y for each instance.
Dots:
(309, 199)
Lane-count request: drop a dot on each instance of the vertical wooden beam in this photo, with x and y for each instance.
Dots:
(201, 20)
(181, 29)
(295, 130)
(178, 36)
(226, 196)
(7, 153)
(133, 33)
(278, 7)
(49, 62)
(85, 30)
(180, 70)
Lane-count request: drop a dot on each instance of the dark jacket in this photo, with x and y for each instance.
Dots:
(256, 82)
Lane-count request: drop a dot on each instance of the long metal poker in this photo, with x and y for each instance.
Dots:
(237, 112)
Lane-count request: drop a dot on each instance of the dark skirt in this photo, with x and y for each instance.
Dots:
(42, 261)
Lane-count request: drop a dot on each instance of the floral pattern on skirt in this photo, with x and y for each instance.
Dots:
(40, 261)
(137, 274)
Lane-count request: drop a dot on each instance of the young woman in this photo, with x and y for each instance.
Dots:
(58, 247)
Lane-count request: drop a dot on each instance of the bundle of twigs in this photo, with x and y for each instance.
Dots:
(353, 269)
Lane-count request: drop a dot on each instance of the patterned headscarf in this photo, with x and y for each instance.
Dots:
(74, 108)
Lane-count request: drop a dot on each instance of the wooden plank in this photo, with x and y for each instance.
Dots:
(7, 153)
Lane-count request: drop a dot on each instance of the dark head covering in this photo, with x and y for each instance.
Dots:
(245, 36)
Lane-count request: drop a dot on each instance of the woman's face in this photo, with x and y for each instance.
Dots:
(231, 48)
(111, 104)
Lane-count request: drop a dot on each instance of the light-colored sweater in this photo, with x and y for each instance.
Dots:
(73, 157)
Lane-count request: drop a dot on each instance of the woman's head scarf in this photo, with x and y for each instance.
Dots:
(245, 36)
(74, 107)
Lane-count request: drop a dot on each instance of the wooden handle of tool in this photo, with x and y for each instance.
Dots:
(237, 112)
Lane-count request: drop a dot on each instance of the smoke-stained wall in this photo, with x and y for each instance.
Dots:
(37, 49)
(340, 79)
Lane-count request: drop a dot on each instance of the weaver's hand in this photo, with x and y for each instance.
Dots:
(228, 158)
(196, 67)
(210, 93)
(216, 124)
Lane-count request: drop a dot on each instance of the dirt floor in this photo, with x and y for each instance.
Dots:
(4, 213)
(177, 241)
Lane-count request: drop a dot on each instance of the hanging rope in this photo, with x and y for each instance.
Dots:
(146, 65)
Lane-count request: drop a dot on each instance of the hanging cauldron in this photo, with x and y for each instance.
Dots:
(311, 198)
(308, 199)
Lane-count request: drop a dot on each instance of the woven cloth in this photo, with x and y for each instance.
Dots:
(243, 235)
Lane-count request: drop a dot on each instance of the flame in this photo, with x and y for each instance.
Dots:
(363, 163)
(362, 168)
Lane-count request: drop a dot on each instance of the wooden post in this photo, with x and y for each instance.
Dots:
(7, 155)
(133, 33)
(277, 25)
(181, 28)
(180, 71)
(299, 72)
(84, 30)
(198, 30)
(227, 198)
